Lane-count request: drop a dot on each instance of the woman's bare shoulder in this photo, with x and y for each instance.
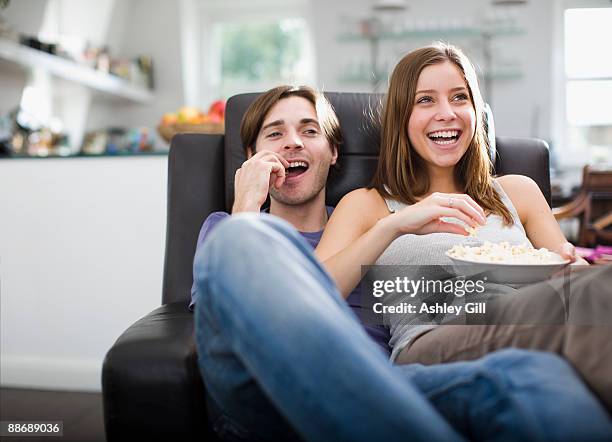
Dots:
(364, 199)
(361, 207)
(514, 183)
(524, 193)
(354, 215)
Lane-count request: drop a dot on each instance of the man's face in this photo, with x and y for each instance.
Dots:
(292, 130)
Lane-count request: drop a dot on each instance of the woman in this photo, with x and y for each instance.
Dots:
(433, 170)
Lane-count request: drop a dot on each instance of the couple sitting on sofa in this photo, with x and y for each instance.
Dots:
(283, 355)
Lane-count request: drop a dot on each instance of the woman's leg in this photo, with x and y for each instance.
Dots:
(569, 316)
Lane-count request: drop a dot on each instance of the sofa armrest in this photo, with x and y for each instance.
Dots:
(152, 389)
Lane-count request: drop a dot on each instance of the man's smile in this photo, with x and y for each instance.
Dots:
(296, 169)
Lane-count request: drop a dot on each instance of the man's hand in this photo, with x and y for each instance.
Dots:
(253, 180)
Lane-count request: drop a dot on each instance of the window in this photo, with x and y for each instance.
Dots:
(588, 82)
(257, 56)
(238, 46)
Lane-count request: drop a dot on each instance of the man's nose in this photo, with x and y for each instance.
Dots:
(293, 141)
(445, 112)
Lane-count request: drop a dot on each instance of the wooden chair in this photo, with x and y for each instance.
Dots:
(592, 206)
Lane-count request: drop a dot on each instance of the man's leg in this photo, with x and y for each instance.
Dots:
(278, 311)
(513, 395)
(237, 408)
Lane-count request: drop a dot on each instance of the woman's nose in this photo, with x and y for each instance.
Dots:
(445, 112)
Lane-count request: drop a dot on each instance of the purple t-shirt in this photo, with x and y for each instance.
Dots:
(378, 333)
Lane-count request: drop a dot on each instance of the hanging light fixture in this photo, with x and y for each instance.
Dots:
(508, 2)
(389, 5)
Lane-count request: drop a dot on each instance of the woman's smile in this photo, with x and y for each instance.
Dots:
(444, 137)
(445, 140)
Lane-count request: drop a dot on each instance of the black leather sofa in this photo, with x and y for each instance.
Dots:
(152, 389)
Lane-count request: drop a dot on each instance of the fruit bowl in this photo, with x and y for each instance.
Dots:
(192, 120)
(167, 131)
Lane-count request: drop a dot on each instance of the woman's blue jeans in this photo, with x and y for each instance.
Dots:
(284, 358)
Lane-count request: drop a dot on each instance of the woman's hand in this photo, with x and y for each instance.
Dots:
(568, 251)
(425, 216)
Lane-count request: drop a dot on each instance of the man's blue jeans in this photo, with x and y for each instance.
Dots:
(283, 358)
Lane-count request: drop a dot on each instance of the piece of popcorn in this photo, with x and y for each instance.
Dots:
(472, 231)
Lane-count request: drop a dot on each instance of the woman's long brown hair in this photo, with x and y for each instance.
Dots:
(401, 173)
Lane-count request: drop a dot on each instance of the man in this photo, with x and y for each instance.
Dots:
(295, 175)
(282, 355)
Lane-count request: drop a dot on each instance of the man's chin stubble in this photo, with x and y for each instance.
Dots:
(297, 200)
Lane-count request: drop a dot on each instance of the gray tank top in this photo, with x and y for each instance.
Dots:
(429, 250)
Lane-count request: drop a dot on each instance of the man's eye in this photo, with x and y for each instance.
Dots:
(273, 134)
(425, 99)
(311, 131)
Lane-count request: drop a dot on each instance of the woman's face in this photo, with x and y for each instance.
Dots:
(443, 120)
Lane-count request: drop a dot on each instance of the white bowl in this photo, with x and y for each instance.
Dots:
(507, 273)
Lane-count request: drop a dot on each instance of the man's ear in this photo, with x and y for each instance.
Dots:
(249, 152)
(334, 155)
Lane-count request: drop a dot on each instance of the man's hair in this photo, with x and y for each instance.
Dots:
(401, 173)
(256, 113)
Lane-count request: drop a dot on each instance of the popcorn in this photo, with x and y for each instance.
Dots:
(504, 253)
(472, 231)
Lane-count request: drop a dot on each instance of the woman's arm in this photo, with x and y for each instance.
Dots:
(354, 237)
(361, 228)
(540, 225)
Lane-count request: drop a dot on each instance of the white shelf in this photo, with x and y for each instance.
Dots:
(71, 71)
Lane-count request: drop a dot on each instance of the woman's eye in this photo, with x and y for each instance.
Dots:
(425, 99)
(311, 131)
(273, 134)
(460, 97)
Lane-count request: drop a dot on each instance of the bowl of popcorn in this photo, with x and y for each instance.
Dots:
(506, 263)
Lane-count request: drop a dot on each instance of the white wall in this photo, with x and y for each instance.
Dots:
(26, 17)
(13, 83)
(523, 107)
(152, 28)
(81, 258)
(75, 18)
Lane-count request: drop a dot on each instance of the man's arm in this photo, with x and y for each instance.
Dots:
(251, 185)
(209, 224)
